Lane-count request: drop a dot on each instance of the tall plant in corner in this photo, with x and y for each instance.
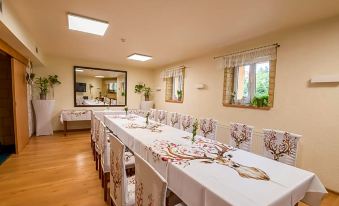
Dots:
(42, 83)
(53, 80)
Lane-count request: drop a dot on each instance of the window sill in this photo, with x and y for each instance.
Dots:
(174, 101)
(246, 106)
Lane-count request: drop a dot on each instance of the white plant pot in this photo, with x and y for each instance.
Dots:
(146, 105)
(43, 113)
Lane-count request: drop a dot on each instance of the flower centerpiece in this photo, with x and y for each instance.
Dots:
(126, 110)
(147, 116)
(195, 129)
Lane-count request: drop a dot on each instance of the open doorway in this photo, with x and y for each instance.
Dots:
(7, 136)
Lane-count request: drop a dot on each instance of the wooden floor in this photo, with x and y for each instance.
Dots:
(58, 170)
(53, 170)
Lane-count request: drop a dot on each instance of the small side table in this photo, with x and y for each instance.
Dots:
(74, 115)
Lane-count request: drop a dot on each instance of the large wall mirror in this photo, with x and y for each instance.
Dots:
(94, 87)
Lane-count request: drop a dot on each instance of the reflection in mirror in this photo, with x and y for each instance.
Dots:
(99, 87)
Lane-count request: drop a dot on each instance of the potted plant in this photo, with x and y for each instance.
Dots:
(260, 101)
(53, 80)
(143, 89)
(179, 93)
(42, 83)
(147, 91)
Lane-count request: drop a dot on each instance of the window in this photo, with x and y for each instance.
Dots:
(250, 85)
(174, 78)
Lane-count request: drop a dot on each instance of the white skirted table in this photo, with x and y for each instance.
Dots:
(209, 173)
(43, 113)
(74, 115)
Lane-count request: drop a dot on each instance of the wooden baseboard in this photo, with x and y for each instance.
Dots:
(73, 130)
(332, 191)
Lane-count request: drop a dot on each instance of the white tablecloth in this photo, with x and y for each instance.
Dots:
(75, 115)
(199, 183)
(101, 113)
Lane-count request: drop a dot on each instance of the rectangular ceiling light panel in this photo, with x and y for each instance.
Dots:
(139, 57)
(88, 25)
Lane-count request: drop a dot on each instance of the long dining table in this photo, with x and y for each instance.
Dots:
(205, 172)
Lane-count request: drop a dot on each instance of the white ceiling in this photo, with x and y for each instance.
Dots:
(168, 30)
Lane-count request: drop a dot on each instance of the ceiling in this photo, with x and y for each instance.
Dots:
(168, 30)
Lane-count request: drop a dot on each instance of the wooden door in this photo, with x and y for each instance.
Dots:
(20, 106)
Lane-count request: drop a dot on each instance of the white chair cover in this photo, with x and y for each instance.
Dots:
(101, 137)
(122, 189)
(92, 124)
(96, 133)
(104, 147)
(150, 186)
(281, 146)
(241, 136)
(152, 114)
(208, 128)
(162, 116)
(187, 123)
(174, 120)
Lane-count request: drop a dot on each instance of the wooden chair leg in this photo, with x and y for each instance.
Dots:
(105, 186)
(96, 161)
(102, 178)
(99, 165)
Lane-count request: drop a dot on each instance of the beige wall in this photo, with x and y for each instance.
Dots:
(64, 93)
(310, 110)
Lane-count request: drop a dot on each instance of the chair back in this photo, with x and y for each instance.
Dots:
(96, 125)
(281, 146)
(174, 120)
(241, 136)
(186, 123)
(162, 116)
(92, 124)
(105, 150)
(102, 139)
(118, 179)
(153, 114)
(150, 188)
(208, 128)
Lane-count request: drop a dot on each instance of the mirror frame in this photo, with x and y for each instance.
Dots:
(111, 70)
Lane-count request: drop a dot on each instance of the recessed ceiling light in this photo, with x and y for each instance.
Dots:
(88, 25)
(139, 57)
(99, 76)
(79, 70)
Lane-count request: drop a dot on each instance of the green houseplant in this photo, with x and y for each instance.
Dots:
(143, 89)
(43, 84)
(53, 80)
(260, 101)
(179, 93)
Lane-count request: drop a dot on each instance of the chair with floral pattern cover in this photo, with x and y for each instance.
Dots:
(186, 123)
(105, 160)
(162, 116)
(150, 186)
(241, 136)
(153, 114)
(122, 188)
(174, 120)
(208, 128)
(281, 146)
(96, 141)
(93, 132)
